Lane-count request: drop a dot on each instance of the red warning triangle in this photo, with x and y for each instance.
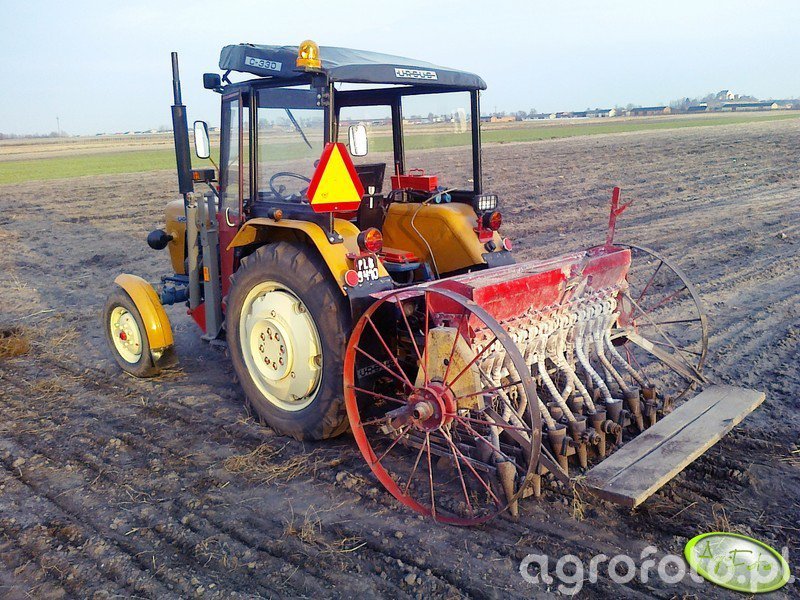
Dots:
(335, 185)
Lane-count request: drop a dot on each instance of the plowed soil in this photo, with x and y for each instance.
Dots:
(113, 486)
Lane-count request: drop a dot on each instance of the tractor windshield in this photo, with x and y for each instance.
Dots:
(432, 123)
(290, 141)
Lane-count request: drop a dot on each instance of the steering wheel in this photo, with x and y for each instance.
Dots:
(279, 191)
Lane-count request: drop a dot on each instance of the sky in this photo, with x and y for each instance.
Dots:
(105, 66)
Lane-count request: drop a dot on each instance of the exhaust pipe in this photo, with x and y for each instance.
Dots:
(180, 133)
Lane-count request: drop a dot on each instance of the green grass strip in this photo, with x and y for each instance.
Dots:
(140, 161)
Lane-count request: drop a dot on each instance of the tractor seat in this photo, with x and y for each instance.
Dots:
(371, 176)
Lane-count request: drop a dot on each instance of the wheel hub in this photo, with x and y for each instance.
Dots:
(125, 334)
(275, 347)
(281, 346)
(432, 407)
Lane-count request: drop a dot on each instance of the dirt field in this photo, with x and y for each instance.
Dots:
(111, 486)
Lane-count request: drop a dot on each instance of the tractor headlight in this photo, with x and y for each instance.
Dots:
(484, 202)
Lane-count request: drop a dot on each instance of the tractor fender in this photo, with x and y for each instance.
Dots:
(154, 318)
(335, 255)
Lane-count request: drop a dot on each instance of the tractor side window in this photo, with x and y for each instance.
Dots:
(290, 142)
(235, 178)
(379, 159)
(437, 137)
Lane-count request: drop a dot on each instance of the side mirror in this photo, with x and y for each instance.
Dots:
(357, 140)
(202, 145)
(212, 81)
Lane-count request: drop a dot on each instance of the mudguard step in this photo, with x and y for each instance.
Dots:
(631, 474)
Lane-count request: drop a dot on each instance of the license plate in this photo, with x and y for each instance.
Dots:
(367, 268)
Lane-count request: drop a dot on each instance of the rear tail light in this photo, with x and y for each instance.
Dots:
(351, 278)
(370, 240)
(492, 220)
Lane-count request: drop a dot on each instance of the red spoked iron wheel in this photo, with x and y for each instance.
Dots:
(663, 327)
(446, 435)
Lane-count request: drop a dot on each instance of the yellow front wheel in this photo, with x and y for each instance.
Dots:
(126, 335)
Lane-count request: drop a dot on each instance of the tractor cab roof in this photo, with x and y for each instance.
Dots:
(345, 65)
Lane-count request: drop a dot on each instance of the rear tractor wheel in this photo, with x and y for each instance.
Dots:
(287, 323)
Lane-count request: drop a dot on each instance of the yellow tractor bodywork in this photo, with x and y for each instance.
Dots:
(261, 230)
(447, 229)
(175, 225)
(155, 320)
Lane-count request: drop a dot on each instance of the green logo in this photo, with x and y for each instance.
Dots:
(737, 562)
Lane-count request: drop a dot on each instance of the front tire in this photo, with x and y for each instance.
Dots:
(126, 335)
(287, 326)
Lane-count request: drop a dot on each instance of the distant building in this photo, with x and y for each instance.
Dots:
(601, 112)
(723, 95)
(646, 111)
(697, 108)
(499, 119)
(734, 106)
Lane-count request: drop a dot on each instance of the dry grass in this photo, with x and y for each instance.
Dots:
(721, 522)
(309, 531)
(793, 460)
(52, 340)
(578, 505)
(212, 549)
(14, 341)
(265, 465)
(46, 388)
(306, 531)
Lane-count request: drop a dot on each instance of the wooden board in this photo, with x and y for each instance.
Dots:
(635, 471)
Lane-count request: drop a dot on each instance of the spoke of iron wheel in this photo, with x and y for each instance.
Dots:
(452, 353)
(649, 283)
(413, 340)
(400, 433)
(488, 443)
(472, 362)
(430, 473)
(679, 349)
(389, 352)
(425, 333)
(475, 473)
(460, 474)
(665, 300)
(403, 380)
(375, 421)
(503, 399)
(491, 423)
(632, 358)
(694, 320)
(491, 390)
(661, 332)
(377, 395)
(414, 470)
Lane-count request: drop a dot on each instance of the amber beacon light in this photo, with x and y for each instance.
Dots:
(308, 55)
